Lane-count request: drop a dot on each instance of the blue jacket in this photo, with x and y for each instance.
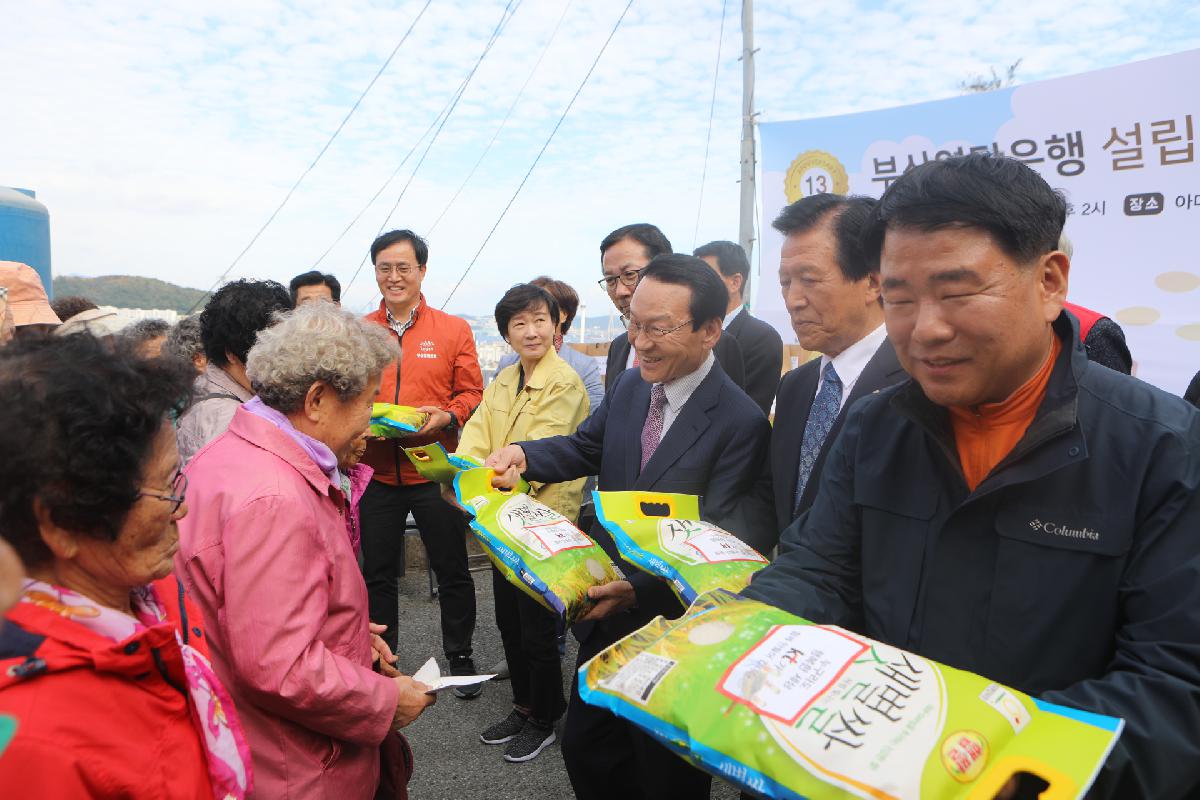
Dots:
(713, 449)
(1072, 572)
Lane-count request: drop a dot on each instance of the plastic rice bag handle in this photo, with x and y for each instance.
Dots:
(638, 505)
(433, 463)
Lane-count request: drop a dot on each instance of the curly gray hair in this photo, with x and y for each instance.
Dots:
(184, 339)
(316, 342)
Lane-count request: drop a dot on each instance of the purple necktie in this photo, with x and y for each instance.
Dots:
(653, 427)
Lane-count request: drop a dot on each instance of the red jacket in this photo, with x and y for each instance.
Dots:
(438, 367)
(97, 718)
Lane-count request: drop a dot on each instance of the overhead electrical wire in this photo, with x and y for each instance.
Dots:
(504, 122)
(310, 167)
(510, 10)
(437, 123)
(708, 136)
(541, 152)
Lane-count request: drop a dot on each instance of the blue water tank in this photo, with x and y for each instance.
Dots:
(25, 232)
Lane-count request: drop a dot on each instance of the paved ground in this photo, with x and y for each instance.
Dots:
(451, 762)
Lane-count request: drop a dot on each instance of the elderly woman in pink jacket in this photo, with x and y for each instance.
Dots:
(266, 556)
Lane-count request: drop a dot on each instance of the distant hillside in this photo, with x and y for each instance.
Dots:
(127, 291)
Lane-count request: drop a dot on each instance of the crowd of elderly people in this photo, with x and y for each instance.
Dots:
(197, 632)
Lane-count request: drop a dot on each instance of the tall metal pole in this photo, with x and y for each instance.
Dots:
(746, 232)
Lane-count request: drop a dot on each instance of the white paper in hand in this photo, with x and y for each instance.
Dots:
(431, 676)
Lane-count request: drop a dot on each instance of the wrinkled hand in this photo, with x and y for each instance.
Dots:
(411, 700)
(610, 599)
(380, 652)
(438, 419)
(508, 463)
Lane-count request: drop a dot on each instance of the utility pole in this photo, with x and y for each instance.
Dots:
(746, 233)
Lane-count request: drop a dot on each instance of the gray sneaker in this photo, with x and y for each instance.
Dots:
(526, 745)
(463, 665)
(504, 730)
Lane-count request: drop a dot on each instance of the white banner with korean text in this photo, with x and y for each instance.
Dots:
(1119, 143)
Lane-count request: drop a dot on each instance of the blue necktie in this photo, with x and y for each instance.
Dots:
(820, 419)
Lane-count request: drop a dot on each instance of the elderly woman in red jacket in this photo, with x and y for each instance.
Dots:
(102, 661)
(266, 555)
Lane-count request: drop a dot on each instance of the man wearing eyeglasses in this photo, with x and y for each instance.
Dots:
(624, 253)
(437, 372)
(679, 424)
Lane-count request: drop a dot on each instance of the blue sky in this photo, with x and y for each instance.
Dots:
(161, 137)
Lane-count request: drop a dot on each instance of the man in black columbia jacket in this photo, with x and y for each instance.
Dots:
(1060, 556)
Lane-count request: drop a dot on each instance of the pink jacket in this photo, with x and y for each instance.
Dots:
(264, 554)
(360, 479)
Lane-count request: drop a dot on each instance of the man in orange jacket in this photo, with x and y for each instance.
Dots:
(437, 372)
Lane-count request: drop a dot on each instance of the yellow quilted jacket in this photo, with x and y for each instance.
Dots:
(551, 403)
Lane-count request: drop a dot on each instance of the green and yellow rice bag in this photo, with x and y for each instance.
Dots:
(433, 463)
(392, 421)
(788, 709)
(662, 534)
(537, 549)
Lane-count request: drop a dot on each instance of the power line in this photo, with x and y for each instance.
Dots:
(538, 158)
(437, 122)
(504, 19)
(708, 136)
(384, 185)
(503, 123)
(445, 117)
(304, 174)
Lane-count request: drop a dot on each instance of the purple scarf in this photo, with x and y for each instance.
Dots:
(317, 450)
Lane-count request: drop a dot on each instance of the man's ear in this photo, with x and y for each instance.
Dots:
(710, 333)
(1053, 270)
(871, 288)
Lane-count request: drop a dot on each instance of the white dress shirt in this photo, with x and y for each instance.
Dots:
(680, 390)
(850, 363)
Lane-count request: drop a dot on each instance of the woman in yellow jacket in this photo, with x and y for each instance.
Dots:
(541, 395)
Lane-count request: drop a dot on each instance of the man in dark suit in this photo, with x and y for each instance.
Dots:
(624, 253)
(761, 345)
(678, 424)
(831, 291)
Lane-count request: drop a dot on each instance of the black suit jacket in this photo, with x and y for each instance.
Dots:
(714, 448)
(762, 356)
(797, 391)
(727, 353)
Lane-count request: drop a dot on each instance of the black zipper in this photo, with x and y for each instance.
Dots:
(396, 401)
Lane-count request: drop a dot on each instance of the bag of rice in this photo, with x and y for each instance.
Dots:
(662, 534)
(537, 549)
(392, 421)
(788, 709)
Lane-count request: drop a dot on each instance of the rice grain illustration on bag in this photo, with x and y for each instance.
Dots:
(536, 549)
(662, 534)
(391, 421)
(433, 463)
(788, 709)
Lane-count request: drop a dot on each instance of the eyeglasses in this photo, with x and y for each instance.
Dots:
(177, 494)
(629, 277)
(400, 270)
(636, 329)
